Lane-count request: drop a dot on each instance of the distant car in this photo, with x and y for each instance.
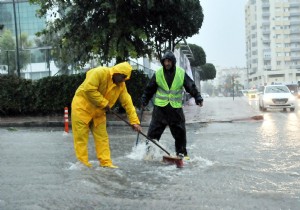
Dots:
(252, 94)
(204, 95)
(276, 97)
(244, 92)
(294, 89)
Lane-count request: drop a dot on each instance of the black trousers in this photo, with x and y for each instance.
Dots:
(172, 117)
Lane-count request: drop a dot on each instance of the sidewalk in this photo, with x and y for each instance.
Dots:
(215, 109)
(222, 109)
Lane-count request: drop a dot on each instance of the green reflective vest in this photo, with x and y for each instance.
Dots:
(164, 95)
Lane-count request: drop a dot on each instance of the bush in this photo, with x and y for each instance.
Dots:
(55, 93)
(16, 95)
(49, 95)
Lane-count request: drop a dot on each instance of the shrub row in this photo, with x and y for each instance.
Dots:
(49, 95)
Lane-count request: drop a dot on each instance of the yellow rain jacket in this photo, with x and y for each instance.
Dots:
(98, 90)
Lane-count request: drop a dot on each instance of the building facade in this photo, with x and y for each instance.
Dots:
(28, 23)
(272, 41)
(26, 19)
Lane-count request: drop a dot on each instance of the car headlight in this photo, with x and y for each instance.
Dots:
(292, 98)
(267, 98)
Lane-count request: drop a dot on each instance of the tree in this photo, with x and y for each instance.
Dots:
(7, 46)
(172, 21)
(199, 55)
(24, 54)
(198, 62)
(8, 51)
(120, 29)
(208, 71)
(63, 57)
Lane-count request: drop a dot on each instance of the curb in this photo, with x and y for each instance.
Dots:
(246, 119)
(121, 123)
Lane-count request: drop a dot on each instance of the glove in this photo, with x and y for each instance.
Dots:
(107, 108)
(199, 100)
(136, 127)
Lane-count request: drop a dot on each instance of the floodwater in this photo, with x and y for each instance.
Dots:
(242, 165)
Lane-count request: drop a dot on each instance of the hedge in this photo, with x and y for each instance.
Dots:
(49, 95)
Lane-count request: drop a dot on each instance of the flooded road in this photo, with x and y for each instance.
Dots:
(240, 165)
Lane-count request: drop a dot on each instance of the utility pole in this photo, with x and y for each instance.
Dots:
(233, 87)
(1, 28)
(17, 41)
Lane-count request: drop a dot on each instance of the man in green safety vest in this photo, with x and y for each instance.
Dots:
(167, 84)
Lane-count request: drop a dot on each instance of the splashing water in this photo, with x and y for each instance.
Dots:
(147, 152)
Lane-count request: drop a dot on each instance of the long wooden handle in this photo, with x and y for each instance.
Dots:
(153, 141)
(137, 136)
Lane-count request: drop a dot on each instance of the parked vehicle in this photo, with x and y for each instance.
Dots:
(243, 92)
(294, 89)
(252, 93)
(276, 97)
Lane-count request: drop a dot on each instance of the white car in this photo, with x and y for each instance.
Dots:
(276, 97)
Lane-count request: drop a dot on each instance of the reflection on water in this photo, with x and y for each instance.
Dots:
(293, 122)
(269, 133)
(277, 153)
(249, 165)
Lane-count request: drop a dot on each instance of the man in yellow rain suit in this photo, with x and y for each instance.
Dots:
(100, 90)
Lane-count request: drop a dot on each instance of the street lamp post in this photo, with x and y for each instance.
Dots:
(17, 41)
(233, 88)
(1, 28)
(7, 62)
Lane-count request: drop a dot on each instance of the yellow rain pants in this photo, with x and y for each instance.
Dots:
(81, 133)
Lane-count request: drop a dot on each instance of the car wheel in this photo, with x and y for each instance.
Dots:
(263, 108)
(284, 109)
(292, 109)
(260, 106)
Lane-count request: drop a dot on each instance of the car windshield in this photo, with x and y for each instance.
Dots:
(252, 91)
(277, 89)
(293, 88)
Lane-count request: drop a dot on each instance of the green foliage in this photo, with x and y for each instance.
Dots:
(7, 46)
(55, 93)
(199, 55)
(208, 71)
(118, 29)
(136, 85)
(8, 53)
(171, 21)
(49, 95)
(16, 95)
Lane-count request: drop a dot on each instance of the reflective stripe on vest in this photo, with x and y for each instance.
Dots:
(164, 95)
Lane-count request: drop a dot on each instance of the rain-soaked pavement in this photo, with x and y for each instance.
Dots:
(234, 165)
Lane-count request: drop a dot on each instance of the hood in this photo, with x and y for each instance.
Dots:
(122, 68)
(168, 55)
